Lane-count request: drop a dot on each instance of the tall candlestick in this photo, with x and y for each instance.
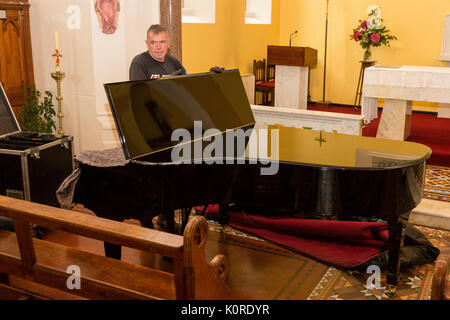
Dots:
(59, 76)
(56, 37)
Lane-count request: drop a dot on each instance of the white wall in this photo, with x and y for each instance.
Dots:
(138, 19)
(90, 59)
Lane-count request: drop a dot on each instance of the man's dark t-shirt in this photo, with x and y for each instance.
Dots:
(145, 67)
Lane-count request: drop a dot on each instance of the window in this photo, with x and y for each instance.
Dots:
(198, 11)
(258, 11)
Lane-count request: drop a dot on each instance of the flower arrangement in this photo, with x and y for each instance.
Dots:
(371, 32)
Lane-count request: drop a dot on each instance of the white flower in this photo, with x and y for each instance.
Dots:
(374, 10)
(374, 22)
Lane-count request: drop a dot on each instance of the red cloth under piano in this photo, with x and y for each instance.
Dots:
(340, 243)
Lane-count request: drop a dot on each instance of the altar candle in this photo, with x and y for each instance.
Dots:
(56, 36)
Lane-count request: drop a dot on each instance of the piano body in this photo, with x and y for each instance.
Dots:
(318, 174)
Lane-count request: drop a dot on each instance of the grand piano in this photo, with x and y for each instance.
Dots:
(268, 169)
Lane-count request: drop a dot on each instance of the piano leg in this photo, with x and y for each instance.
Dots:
(223, 214)
(115, 251)
(170, 220)
(397, 229)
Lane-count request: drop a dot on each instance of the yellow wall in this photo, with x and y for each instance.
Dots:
(228, 43)
(418, 25)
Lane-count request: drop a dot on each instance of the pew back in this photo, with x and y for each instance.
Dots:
(47, 263)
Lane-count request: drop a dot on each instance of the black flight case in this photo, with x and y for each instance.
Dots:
(32, 165)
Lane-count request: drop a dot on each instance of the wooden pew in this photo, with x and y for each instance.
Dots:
(47, 263)
(440, 286)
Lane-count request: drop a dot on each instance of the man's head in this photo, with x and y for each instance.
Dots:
(157, 42)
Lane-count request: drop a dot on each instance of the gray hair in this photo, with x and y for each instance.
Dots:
(156, 29)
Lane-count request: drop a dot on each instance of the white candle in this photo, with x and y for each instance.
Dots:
(56, 36)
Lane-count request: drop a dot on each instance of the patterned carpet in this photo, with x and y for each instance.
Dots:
(437, 183)
(414, 284)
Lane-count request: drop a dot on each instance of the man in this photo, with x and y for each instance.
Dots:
(155, 62)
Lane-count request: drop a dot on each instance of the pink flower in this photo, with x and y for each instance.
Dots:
(364, 25)
(356, 35)
(375, 37)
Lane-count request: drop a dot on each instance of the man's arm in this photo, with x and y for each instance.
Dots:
(183, 70)
(179, 69)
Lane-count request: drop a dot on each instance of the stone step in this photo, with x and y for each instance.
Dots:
(432, 214)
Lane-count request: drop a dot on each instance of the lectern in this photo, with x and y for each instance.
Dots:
(291, 74)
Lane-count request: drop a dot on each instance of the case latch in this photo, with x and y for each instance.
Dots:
(65, 143)
(34, 153)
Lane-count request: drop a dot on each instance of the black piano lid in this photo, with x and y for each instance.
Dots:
(220, 101)
(328, 149)
(8, 121)
(146, 112)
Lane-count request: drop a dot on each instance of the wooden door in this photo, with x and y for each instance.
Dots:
(16, 65)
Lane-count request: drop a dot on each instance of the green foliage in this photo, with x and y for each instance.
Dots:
(37, 115)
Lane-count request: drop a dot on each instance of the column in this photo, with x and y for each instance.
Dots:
(171, 20)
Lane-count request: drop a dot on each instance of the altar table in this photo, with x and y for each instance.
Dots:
(400, 86)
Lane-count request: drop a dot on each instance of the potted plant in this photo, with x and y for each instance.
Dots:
(37, 115)
(371, 32)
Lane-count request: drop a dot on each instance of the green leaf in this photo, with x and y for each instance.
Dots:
(37, 115)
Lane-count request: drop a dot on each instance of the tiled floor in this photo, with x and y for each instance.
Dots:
(414, 284)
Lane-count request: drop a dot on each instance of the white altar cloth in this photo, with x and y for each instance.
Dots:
(409, 83)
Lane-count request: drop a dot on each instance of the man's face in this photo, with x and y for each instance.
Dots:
(158, 45)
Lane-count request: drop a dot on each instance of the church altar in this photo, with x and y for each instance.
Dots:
(400, 86)
(310, 119)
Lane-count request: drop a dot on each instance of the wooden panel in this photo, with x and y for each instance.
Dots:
(439, 286)
(291, 56)
(16, 65)
(25, 241)
(101, 278)
(11, 293)
(137, 237)
(15, 3)
(203, 279)
(12, 55)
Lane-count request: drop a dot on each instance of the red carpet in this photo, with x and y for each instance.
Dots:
(340, 243)
(343, 244)
(426, 128)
